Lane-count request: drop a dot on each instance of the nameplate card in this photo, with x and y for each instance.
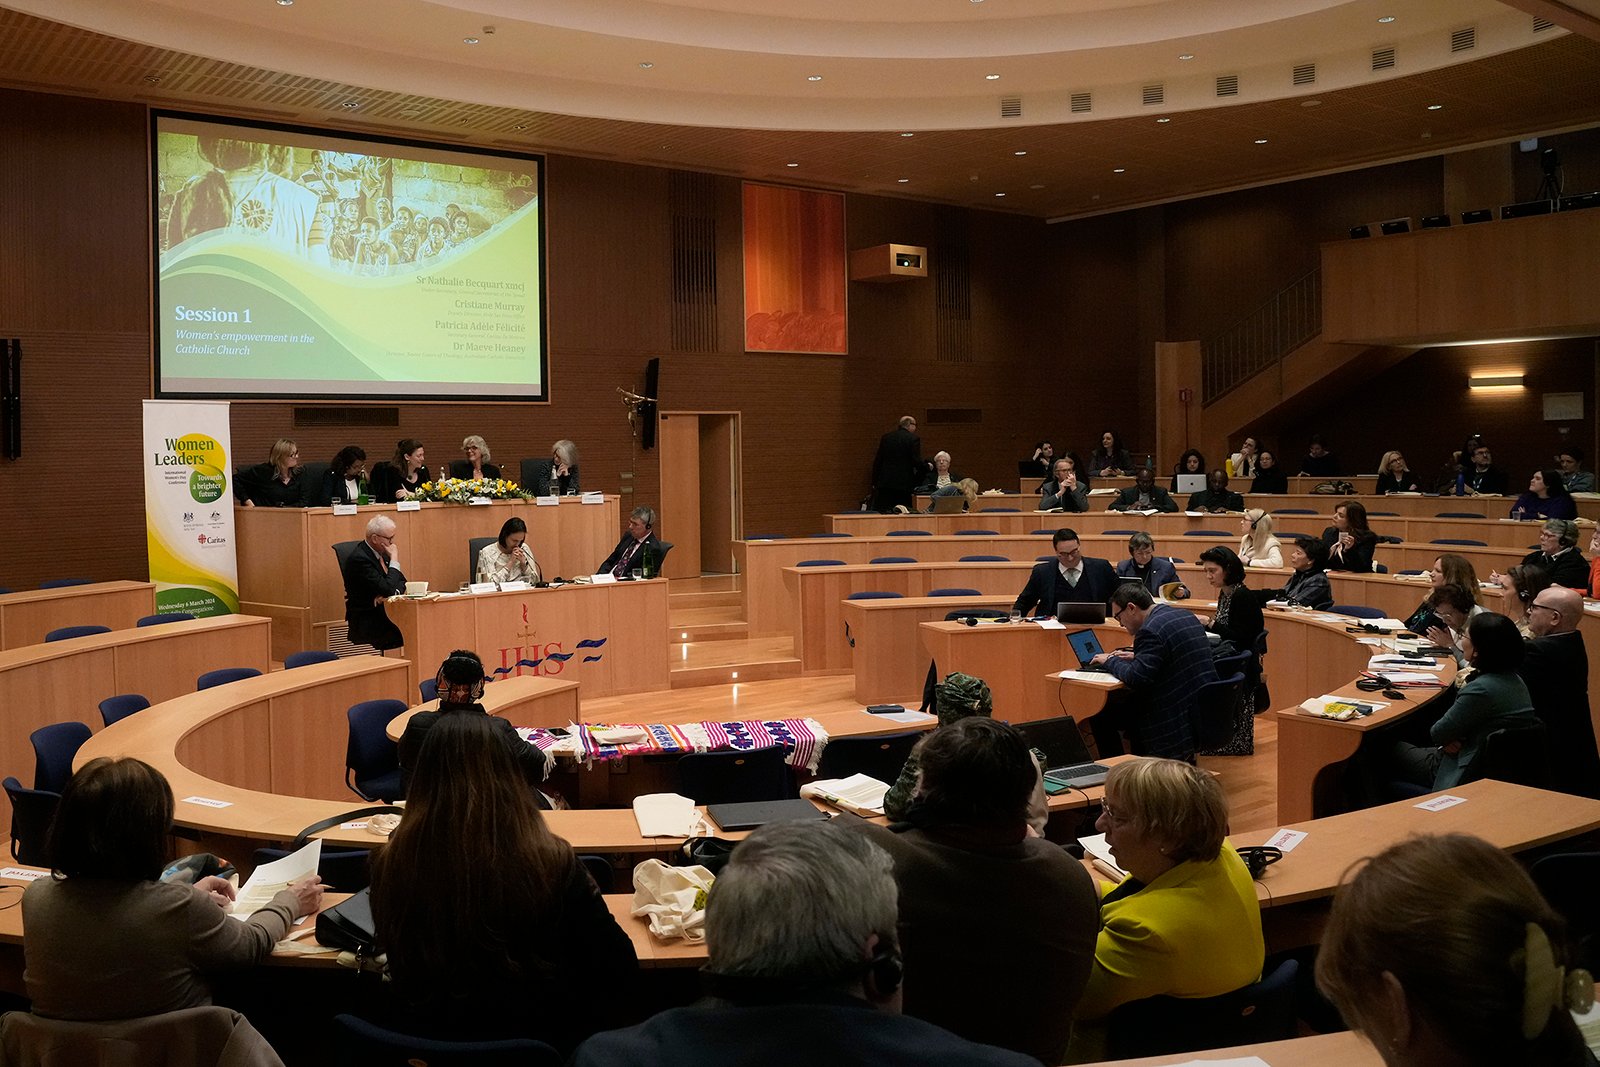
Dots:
(512, 587)
(1285, 840)
(479, 500)
(547, 501)
(594, 498)
(483, 587)
(1440, 803)
(604, 579)
(358, 825)
(21, 874)
(344, 509)
(408, 505)
(208, 802)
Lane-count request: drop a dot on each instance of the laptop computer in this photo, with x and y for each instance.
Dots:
(1191, 483)
(1080, 614)
(1066, 756)
(751, 814)
(948, 505)
(1086, 646)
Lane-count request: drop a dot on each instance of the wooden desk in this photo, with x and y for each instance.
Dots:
(885, 646)
(287, 569)
(25, 617)
(1013, 658)
(630, 618)
(42, 684)
(530, 700)
(1344, 1049)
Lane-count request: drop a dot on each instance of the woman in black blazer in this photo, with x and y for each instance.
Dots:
(341, 483)
(477, 464)
(1269, 478)
(1350, 541)
(399, 478)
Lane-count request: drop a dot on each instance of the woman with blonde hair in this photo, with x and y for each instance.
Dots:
(477, 464)
(1395, 477)
(1257, 546)
(1482, 980)
(275, 483)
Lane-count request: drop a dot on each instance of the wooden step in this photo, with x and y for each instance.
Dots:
(715, 599)
(723, 674)
(732, 630)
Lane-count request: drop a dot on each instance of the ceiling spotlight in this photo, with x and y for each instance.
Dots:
(285, 3)
(1187, 56)
(908, 135)
(1036, 187)
(813, 77)
(1261, 140)
(520, 126)
(469, 40)
(350, 105)
(902, 181)
(1163, 120)
(646, 65)
(1386, 19)
(991, 77)
(152, 79)
(1118, 170)
(1019, 153)
(1435, 107)
(999, 194)
(791, 164)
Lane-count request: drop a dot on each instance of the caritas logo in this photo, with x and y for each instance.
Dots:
(213, 540)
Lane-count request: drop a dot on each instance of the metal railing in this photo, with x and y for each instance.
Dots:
(1290, 318)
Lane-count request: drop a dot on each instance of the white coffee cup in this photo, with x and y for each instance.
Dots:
(416, 588)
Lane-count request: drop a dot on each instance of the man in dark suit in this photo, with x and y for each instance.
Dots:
(1069, 577)
(1559, 556)
(558, 475)
(1143, 495)
(898, 466)
(1555, 667)
(371, 576)
(629, 552)
(1216, 496)
(1170, 661)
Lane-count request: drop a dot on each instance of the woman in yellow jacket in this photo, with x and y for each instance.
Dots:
(1185, 923)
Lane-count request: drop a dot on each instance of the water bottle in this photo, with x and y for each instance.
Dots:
(1461, 483)
(647, 564)
(363, 491)
(1150, 461)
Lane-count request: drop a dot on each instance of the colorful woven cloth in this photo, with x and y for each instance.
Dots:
(804, 739)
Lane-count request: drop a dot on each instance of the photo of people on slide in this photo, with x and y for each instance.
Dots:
(358, 214)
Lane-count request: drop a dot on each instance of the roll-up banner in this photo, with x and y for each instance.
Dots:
(188, 507)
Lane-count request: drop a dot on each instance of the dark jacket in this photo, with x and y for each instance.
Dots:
(387, 481)
(527, 756)
(1046, 587)
(1323, 466)
(460, 468)
(1211, 500)
(1568, 568)
(1128, 499)
(1310, 588)
(332, 490)
(1491, 481)
(637, 559)
(1157, 574)
(259, 485)
(365, 579)
(1272, 481)
(1069, 500)
(547, 483)
(1556, 672)
(1406, 483)
(898, 464)
(1357, 558)
(1171, 661)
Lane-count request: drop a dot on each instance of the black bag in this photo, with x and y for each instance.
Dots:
(349, 925)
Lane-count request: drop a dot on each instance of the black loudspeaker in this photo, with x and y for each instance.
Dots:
(11, 397)
(647, 408)
(1579, 201)
(1435, 222)
(1483, 214)
(1360, 231)
(1394, 226)
(1522, 211)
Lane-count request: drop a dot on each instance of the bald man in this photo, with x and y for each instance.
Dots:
(1556, 670)
(371, 576)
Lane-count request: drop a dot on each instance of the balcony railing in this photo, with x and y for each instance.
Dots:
(1290, 318)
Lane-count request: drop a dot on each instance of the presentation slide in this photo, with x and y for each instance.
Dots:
(301, 264)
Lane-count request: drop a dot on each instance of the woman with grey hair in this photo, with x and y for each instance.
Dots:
(558, 475)
(476, 464)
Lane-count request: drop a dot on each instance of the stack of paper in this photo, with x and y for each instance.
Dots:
(269, 879)
(858, 793)
(666, 815)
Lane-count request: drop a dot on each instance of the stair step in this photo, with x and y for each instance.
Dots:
(709, 631)
(716, 599)
(722, 674)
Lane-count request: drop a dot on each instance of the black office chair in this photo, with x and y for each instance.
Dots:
(358, 1043)
(165, 617)
(474, 546)
(1216, 705)
(876, 757)
(62, 583)
(31, 813)
(1167, 1026)
(600, 869)
(54, 746)
(117, 708)
(307, 658)
(732, 777)
(820, 563)
(371, 760)
(1294, 511)
(1517, 754)
(1570, 882)
(429, 689)
(1357, 611)
(67, 633)
(224, 676)
(1206, 533)
(1117, 533)
(892, 559)
(1459, 541)
(977, 533)
(909, 533)
(873, 594)
(1457, 515)
(984, 559)
(954, 590)
(343, 870)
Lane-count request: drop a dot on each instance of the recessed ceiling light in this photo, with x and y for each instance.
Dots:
(813, 77)
(285, 3)
(646, 65)
(469, 40)
(1386, 19)
(999, 194)
(153, 79)
(350, 105)
(1187, 56)
(1261, 140)
(1118, 170)
(902, 181)
(791, 164)
(991, 77)
(1019, 153)
(1036, 187)
(1435, 107)
(520, 126)
(908, 135)
(1163, 120)
(1311, 103)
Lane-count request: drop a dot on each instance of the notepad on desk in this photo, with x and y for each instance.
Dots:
(666, 815)
(859, 793)
(1099, 854)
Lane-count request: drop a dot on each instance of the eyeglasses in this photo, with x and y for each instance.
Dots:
(1547, 607)
(1118, 613)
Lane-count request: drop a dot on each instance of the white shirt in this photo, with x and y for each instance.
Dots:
(1073, 576)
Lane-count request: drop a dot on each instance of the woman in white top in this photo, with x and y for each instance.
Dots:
(1257, 546)
(1244, 460)
(509, 559)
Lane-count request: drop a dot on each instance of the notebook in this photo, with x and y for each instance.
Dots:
(749, 815)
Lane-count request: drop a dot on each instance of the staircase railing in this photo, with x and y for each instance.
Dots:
(1289, 318)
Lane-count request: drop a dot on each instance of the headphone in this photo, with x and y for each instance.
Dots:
(444, 685)
(1257, 858)
(1255, 520)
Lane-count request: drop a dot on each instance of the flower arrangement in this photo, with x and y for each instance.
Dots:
(462, 490)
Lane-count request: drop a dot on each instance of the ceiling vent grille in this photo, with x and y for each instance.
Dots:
(1383, 59)
(1540, 24)
(1011, 107)
(1081, 102)
(1227, 85)
(1305, 74)
(1154, 94)
(1464, 40)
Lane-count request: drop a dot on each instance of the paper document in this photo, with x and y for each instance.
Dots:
(1049, 624)
(859, 793)
(1341, 708)
(915, 718)
(619, 735)
(1095, 848)
(1093, 677)
(666, 815)
(270, 879)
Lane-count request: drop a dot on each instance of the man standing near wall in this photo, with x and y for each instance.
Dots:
(897, 467)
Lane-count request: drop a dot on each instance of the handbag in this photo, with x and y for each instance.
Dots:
(348, 926)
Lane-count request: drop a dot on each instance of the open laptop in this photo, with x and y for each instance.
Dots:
(1071, 611)
(1086, 646)
(948, 505)
(1191, 483)
(1066, 756)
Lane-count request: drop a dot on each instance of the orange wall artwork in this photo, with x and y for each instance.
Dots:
(794, 270)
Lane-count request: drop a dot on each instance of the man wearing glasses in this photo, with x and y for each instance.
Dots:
(371, 576)
(1556, 670)
(1071, 576)
(1170, 661)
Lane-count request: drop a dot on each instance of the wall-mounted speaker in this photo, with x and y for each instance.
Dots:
(647, 407)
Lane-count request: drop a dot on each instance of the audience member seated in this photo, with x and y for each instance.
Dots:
(371, 576)
(1257, 545)
(1448, 569)
(341, 482)
(558, 475)
(1555, 668)
(1071, 576)
(1546, 498)
(492, 927)
(1479, 983)
(1573, 476)
(1492, 699)
(966, 837)
(1245, 462)
(804, 966)
(1216, 497)
(509, 559)
(1308, 585)
(1479, 475)
(1185, 922)
(461, 679)
(403, 475)
(107, 939)
(476, 464)
(1593, 588)
(1144, 495)
(1044, 457)
(966, 488)
(1518, 586)
(1143, 563)
(1269, 478)
(1110, 459)
(1063, 491)
(1318, 461)
(1451, 607)
(1239, 622)
(639, 535)
(1558, 554)
(1395, 477)
(1350, 540)
(1169, 662)
(275, 483)
(939, 477)
(1191, 462)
